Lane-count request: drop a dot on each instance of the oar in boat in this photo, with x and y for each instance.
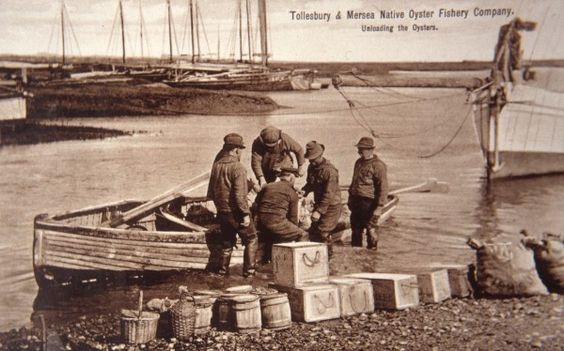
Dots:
(431, 185)
(168, 196)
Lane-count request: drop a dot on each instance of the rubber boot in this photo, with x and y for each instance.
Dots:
(372, 239)
(250, 257)
(356, 237)
(326, 238)
(214, 261)
(225, 259)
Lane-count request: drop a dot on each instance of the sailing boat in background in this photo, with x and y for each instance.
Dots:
(520, 127)
(242, 76)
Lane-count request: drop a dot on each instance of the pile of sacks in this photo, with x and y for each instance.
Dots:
(533, 266)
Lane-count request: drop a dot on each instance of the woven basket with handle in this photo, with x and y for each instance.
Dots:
(183, 317)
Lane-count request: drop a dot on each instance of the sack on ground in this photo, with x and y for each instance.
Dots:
(549, 259)
(506, 269)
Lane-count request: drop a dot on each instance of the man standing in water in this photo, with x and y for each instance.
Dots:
(368, 190)
(277, 209)
(323, 181)
(272, 150)
(228, 190)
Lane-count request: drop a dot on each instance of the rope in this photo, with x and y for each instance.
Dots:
(451, 139)
(383, 90)
(364, 124)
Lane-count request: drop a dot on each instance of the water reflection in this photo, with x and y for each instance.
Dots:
(507, 206)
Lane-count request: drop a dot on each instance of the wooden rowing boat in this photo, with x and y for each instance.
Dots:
(79, 245)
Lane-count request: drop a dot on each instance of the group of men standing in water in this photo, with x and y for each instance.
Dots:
(276, 205)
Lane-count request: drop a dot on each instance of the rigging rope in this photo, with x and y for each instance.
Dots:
(364, 124)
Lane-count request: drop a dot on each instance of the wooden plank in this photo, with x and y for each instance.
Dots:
(111, 252)
(431, 185)
(148, 245)
(127, 234)
(181, 222)
(161, 199)
(95, 259)
(116, 258)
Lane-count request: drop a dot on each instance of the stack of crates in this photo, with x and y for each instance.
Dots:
(301, 270)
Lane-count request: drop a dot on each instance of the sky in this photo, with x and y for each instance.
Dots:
(33, 26)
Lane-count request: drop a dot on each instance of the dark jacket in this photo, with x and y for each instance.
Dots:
(264, 160)
(370, 180)
(279, 198)
(228, 185)
(323, 181)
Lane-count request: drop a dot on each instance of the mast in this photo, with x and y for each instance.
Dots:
(169, 31)
(263, 32)
(198, 18)
(240, 32)
(249, 31)
(192, 30)
(141, 27)
(63, 29)
(218, 45)
(122, 33)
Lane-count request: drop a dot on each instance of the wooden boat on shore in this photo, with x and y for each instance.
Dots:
(81, 245)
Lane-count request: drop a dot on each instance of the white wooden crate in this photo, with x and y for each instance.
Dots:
(312, 302)
(355, 295)
(392, 291)
(300, 263)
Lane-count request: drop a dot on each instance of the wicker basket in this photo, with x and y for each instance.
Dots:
(137, 329)
(183, 318)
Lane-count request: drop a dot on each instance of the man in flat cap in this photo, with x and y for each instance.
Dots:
(271, 150)
(228, 190)
(323, 181)
(277, 210)
(368, 190)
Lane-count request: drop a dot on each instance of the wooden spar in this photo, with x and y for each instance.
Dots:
(122, 33)
(431, 185)
(63, 29)
(198, 18)
(192, 30)
(263, 31)
(170, 195)
(240, 32)
(249, 31)
(141, 27)
(169, 31)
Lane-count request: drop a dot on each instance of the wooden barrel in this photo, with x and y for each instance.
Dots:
(246, 311)
(204, 314)
(239, 289)
(275, 310)
(213, 296)
(225, 313)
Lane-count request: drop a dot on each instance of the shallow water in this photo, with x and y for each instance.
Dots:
(411, 123)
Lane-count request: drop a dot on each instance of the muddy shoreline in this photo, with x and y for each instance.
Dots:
(456, 324)
(36, 133)
(132, 98)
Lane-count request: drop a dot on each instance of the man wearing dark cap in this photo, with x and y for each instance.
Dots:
(228, 190)
(277, 209)
(323, 181)
(272, 150)
(368, 190)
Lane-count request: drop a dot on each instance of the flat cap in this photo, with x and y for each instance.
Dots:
(234, 139)
(270, 136)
